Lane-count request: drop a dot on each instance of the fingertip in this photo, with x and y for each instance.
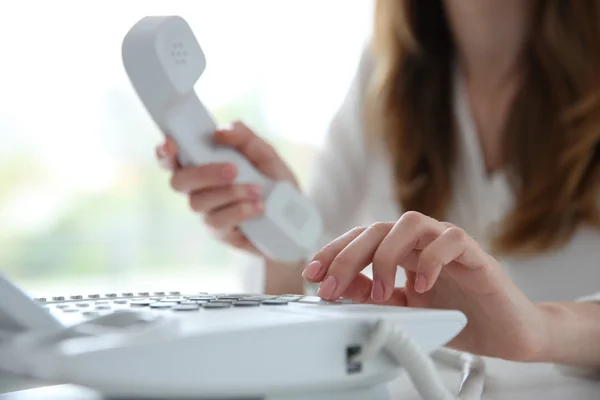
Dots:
(164, 160)
(239, 125)
(328, 288)
(170, 147)
(166, 163)
(224, 136)
(160, 151)
(229, 172)
(421, 283)
(378, 292)
(428, 270)
(232, 131)
(313, 272)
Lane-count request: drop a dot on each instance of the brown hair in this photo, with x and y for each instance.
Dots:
(552, 135)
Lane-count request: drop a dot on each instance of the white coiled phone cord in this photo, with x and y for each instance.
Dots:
(420, 366)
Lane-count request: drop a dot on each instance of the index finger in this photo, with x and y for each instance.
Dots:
(253, 147)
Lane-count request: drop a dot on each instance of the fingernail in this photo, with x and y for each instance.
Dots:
(228, 172)
(259, 206)
(327, 288)
(312, 270)
(170, 147)
(378, 292)
(165, 163)
(253, 191)
(420, 283)
(162, 153)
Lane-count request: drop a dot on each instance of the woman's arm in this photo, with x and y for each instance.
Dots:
(573, 334)
(283, 278)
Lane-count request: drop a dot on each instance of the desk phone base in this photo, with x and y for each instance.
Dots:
(203, 345)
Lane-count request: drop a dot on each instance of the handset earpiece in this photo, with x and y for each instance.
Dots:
(164, 61)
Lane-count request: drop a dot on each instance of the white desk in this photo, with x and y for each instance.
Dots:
(505, 381)
(515, 381)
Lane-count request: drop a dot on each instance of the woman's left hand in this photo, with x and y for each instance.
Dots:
(445, 269)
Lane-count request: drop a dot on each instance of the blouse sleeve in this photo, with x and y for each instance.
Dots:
(593, 298)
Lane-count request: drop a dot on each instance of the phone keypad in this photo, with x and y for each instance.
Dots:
(94, 305)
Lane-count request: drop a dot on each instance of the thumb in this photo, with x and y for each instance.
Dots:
(258, 151)
(167, 154)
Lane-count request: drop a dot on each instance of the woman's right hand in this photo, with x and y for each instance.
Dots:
(211, 189)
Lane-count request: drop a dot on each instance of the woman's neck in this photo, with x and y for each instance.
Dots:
(489, 35)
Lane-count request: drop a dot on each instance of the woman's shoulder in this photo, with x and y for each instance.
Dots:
(367, 59)
(347, 132)
(349, 115)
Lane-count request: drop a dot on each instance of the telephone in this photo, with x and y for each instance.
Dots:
(220, 345)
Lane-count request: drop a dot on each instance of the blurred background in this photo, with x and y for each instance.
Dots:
(84, 206)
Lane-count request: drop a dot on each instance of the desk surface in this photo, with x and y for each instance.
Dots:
(515, 381)
(505, 381)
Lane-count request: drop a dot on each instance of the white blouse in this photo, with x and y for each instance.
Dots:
(352, 186)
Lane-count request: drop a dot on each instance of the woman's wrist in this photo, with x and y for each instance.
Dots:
(570, 333)
(549, 316)
(283, 278)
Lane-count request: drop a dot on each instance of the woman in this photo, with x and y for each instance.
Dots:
(476, 126)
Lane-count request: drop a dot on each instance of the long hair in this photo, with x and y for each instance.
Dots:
(552, 135)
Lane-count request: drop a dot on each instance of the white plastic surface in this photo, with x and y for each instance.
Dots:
(18, 312)
(164, 61)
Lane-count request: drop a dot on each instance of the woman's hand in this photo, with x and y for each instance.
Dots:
(211, 188)
(445, 269)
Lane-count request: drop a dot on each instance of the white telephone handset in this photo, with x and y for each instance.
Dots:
(19, 313)
(164, 61)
